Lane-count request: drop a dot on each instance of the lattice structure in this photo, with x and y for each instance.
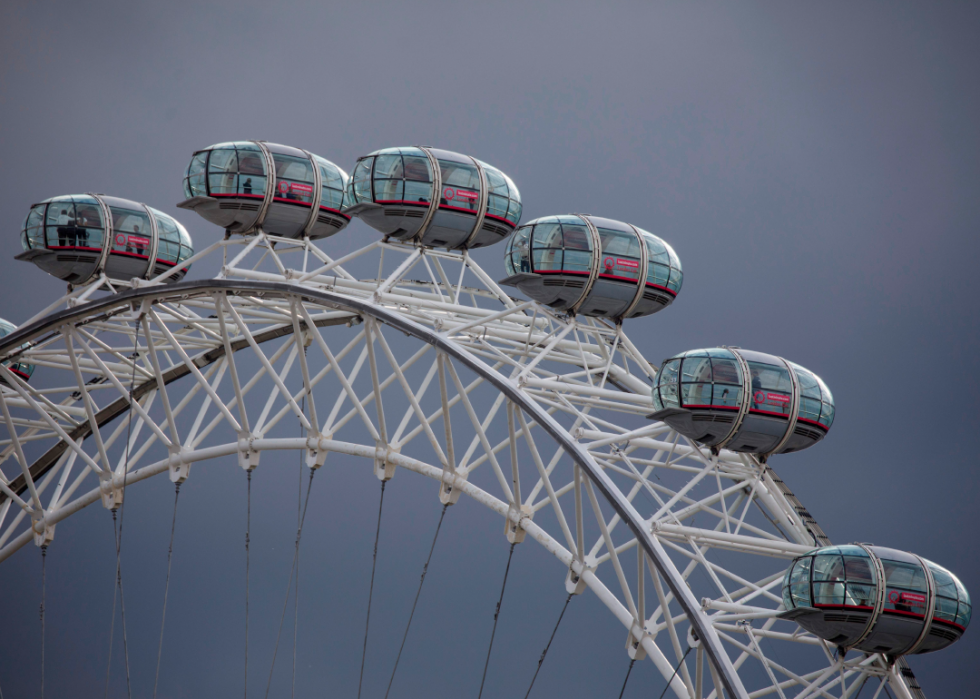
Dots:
(428, 368)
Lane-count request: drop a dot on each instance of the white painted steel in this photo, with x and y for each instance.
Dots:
(717, 529)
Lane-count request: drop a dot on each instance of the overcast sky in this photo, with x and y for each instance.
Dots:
(814, 165)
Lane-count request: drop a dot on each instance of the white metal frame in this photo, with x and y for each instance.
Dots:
(511, 381)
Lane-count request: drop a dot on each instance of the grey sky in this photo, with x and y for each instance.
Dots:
(815, 166)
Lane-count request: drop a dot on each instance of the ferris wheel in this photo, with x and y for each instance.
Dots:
(406, 355)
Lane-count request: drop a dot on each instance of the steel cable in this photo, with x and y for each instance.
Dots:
(425, 569)
(496, 615)
(292, 570)
(374, 564)
(44, 586)
(680, 662)
(299, 502)
(628, 671)
(118, 531)
(112, 625)
(545, 651)
(248, 529)
(166, 588)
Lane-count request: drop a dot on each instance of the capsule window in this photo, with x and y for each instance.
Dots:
(547, 235)
(547, 254)
(772, 388)
(905, 589)
(60, 222)
(88, 224)
(417, 169)
(830, 593)
(518, 260)
(944, 583)
(497, 206)
(726, 396)
(726, 371)
(174, 245)
(828, 567)
(331, 198)
(859, 595)
(360, 182)
(250, 162)
(800, 595)
(294, 178)
(827, 404)
(668, 395)
(578, 249)
(668, 374)
(905, 575)
(460, 185)
(796, 584)
(33, 232)
(389, 190)
(801, 571)
(667, 383)
(388, 167)
(694, 394)
(389, 174)
(676, 275)
(233, 169)
(658, 274)
(620, 254)
(168, 248)
(696, 369)
(194, 177)
(223, 172)
(503, 195)
(963, 614)
(418, 181)
(858, 569)
(498, 201)
(131, 231)
(696, 375)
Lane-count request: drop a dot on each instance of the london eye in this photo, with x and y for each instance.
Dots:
(656, 485)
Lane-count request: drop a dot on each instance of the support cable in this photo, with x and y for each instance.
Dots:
(166, 588)
(299, 501)
(679, 663)
(44, 585)
(118, 530)
(628, 671)
(374, 564)
(496, 616)
(248, 529)
(425, 569)
(292, 570)
(545, 651)
(112, 625)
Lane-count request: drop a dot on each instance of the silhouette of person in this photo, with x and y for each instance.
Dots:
(63, 228)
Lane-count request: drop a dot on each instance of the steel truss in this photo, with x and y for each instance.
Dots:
(536, 415)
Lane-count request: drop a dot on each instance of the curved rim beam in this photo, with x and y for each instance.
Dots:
(623, 507)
